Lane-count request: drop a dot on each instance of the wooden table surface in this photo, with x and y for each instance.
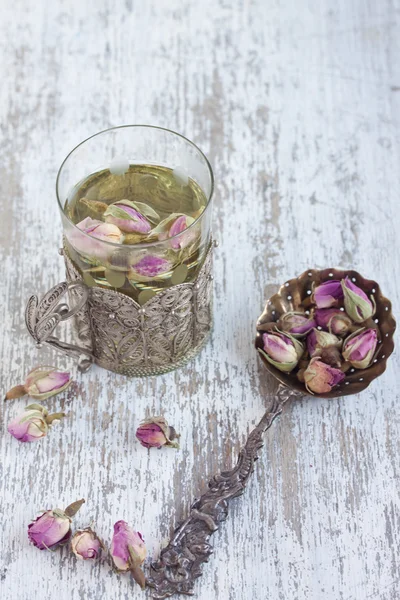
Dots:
(297, 105)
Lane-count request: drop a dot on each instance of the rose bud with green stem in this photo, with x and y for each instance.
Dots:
(297, 324)
(88, 239)
(328, 294)
(41, 383)
(356, 302)
(155, 433)
(53, 527)
(33, 423)
(149, 267)
(321, 378)
(282, 350)
(319, 340)
(334, 320)
(128, 551)
(131, 217)
(86, 545)
(359, 348)
(174, 226)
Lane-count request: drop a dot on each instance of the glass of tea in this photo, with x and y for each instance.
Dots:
(136, 205)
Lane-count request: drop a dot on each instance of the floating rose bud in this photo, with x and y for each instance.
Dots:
(296, 323)
(177, 227)
(333, 320)
(128, 551)
(155, 433)
(320, 378)
(149, 267)
(33, 423)
(91, 245)
(53, 527)
(94, 206)
(359, 348)
(85, 544)
(356, 302)
(328, 294)
(41, 383)
(282, 350)
(319, 340)
(131, 217)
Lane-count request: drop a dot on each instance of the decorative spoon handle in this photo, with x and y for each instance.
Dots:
(180, 562)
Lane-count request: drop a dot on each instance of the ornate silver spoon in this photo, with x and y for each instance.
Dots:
(180, 563)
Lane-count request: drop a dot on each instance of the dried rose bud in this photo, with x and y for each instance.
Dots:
(41, 383)
(96, 207)
(85, 544)
(356, 302)
(359, 348)
(333, 320)
(177, 227)
(155, 433)
(174, 225)
(53, 527)
(33, 423)
(332, 356)
(149, 267)
(328, 294)
(131, 217)
(282, 350)
(128, 551)
(91, 245)
(319, 340)
(320, 378)
(296, 323)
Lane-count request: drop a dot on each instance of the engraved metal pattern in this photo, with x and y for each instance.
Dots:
(161, 335)
(294, 295)
(180, 563)
(82, 328)
(42, 317)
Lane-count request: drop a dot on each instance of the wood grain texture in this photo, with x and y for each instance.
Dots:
(297, 105)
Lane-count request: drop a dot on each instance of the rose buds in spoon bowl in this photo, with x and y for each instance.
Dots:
(342, 322)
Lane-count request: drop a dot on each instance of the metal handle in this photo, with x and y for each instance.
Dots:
(42, 318)
(180, 563)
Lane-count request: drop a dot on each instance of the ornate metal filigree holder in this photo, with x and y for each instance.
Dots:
(180, 562)
(117, 333)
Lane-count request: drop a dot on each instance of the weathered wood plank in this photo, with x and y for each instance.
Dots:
(297, 106)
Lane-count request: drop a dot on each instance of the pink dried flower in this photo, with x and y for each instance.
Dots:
(356, 302)
(359, 348)
(155, 433)
(33, 423)
(282, 350)
(85, 544)
(91, 245)
(320, 340)
(320, 378)
(53, 527)
(127, 216)
(334, 320)
(327, 294)
(41, 383)
(149, 267)
(296, 323)
(128, 551)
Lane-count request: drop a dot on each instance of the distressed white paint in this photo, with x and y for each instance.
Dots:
(297, 105)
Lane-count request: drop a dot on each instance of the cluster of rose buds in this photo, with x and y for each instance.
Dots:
(35, 421)
(336, 333)
(53, 528)
(128, 222)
